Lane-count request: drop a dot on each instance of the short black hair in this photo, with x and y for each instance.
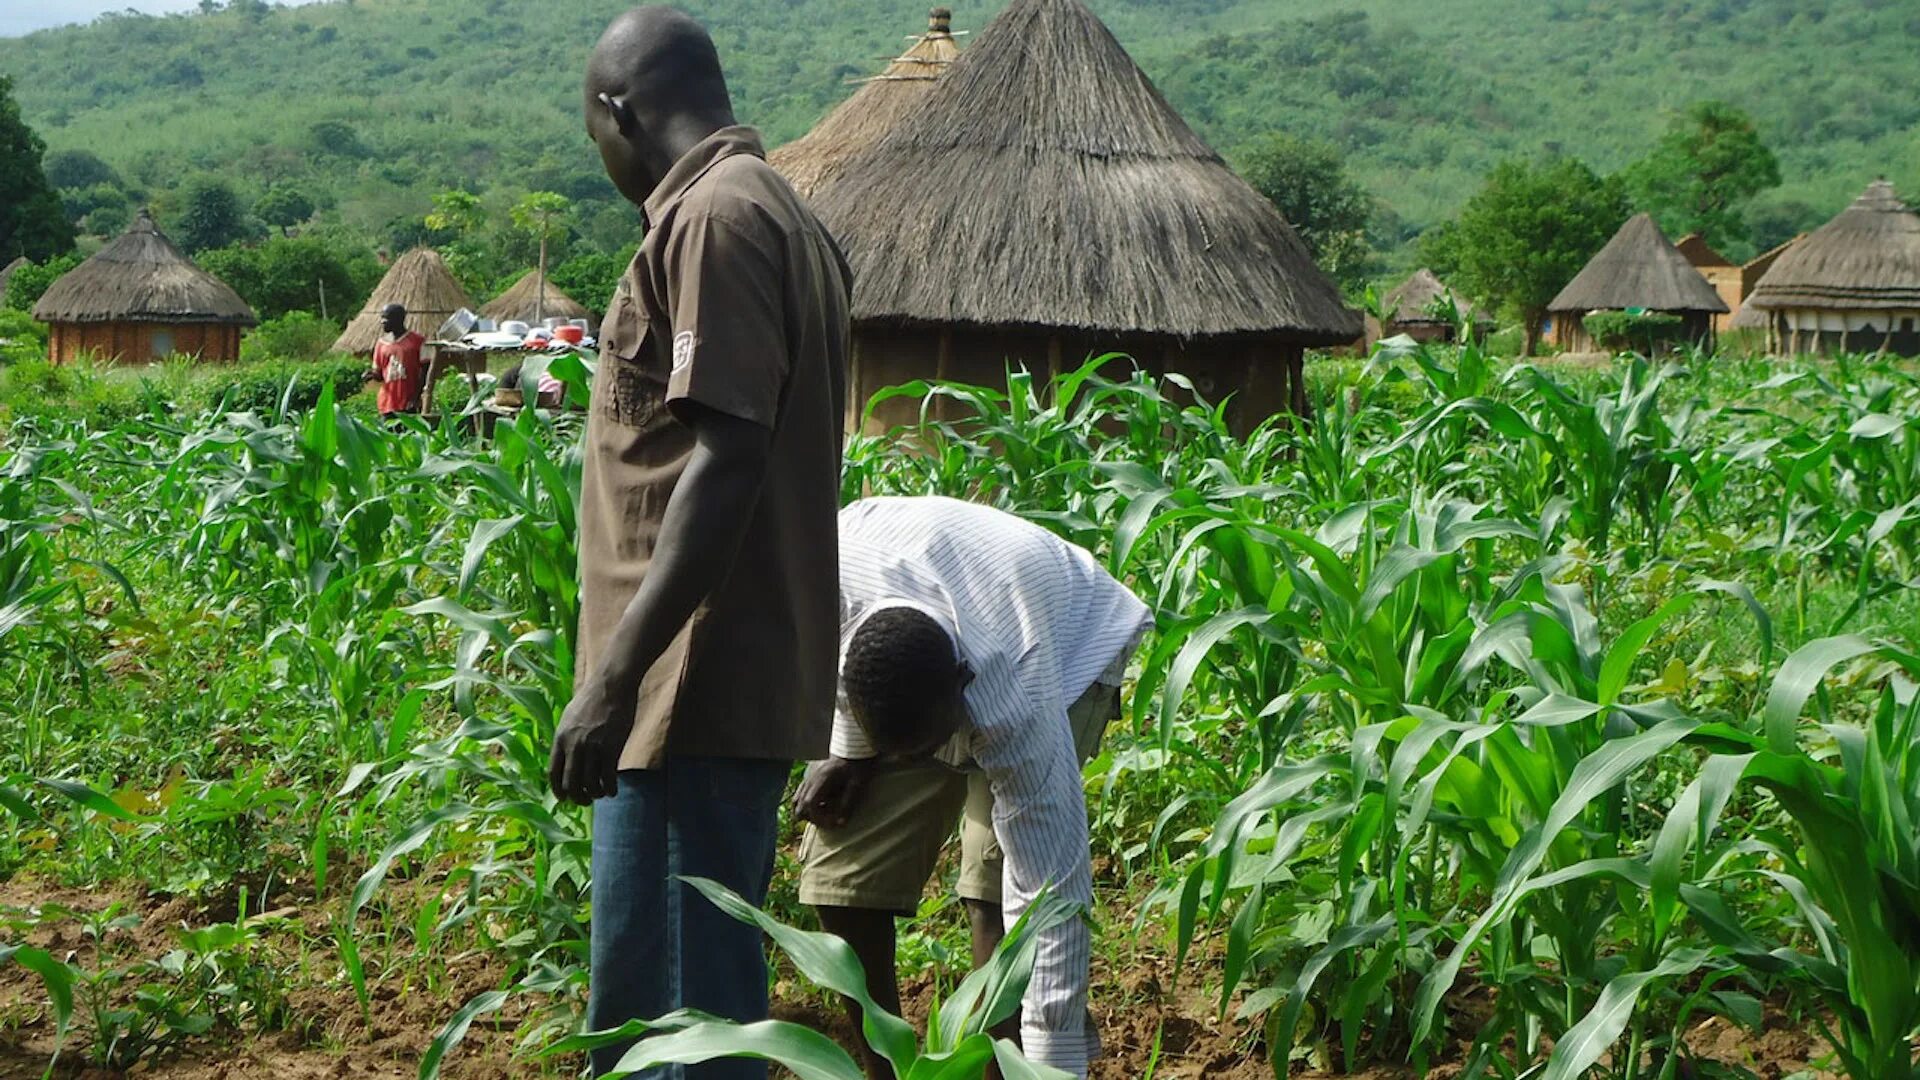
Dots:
(899, 665)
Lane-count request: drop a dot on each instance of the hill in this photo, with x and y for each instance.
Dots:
(371, 106)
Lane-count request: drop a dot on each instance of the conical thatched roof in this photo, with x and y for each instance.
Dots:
(6, 272)
(141, 277)
(1046, 183)
(1414, 300)
(420, 282)
(890, 97)
(522, 301)
(1868, 258)
(1639, 268)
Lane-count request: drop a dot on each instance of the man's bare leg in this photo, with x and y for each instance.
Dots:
(870, 933)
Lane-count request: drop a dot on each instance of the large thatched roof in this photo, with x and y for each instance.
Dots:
(522, 302)
(1868, 258)
(1414, 301)
(888, 98)
(1045, 183)
(141, 277)
(1639, 268)
(418, 281)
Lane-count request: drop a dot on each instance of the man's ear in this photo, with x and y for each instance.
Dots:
(622, 114)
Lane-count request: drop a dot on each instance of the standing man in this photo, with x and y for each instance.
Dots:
(396, 364)
(709, 608)
(981, 663)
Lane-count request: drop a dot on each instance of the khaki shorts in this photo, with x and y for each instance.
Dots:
(882, 857)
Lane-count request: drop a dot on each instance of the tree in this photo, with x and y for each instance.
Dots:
(32, 221)
(283, 207)
(543, 214)
(79, 169)
(30, 282)
(1525, 234)
(288, 274)
(210, 215)
(1308, 182)
(1703, 172)
(592, 276)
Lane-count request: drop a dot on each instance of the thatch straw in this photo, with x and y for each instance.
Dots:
(896, 94)
(6, 273)
(1639, 268)
(1699, 252)
(418, 281)
(522, 302)
(1047, 184)
(1866, 259)
(141, 277)
(1414, 301)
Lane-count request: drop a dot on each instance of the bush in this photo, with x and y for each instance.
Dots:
(29, 283)
(299, 335)
(20, 337)
(1626, 331)
(258, 387)
(36, 387)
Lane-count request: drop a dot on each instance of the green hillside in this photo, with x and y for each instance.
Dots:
(372, 106)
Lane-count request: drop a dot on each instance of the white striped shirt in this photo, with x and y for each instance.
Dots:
(1039, 622)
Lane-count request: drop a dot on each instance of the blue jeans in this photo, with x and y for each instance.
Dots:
(657, 945)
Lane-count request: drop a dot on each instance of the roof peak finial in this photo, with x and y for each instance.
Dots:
(940, 21)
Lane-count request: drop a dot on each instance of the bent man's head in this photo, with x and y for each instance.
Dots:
(654, 90)
(393, 318)
(904, 681)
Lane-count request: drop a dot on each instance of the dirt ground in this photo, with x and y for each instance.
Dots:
(325, 1040)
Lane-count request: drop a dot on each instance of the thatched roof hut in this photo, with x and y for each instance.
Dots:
(884, 101)
(1412, 310)
(1639, 269)
(1046, 203)
(140, 299)
(1853, 283)
(1750, 317)
(418, 281)
(524, 301)
(6, 273)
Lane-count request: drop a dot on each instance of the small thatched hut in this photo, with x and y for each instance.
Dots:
(1720, 273)
(140, 299)
(1853, 283)
(529, 300)
(885, 100)
(1413, 310)
(420, 282)
(1638, 270)
(6, 273)
(1045, 203)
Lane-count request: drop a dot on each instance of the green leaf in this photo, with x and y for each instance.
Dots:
(1799, 677)
(1588, 1040)
(59, 980)
(1015, 1066)
(92, 800)
(456, 1029)
(806, 1053)
(1618, 666)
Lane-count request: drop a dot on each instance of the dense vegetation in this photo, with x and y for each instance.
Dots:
(367, 110)
(1499, 716)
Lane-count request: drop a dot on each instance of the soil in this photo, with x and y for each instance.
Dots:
(325, 1038)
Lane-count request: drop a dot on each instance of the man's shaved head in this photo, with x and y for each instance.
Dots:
(654, 89)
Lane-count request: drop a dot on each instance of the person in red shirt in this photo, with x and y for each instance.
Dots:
(397, 366)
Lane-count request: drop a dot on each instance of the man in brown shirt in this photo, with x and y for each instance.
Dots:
(709, 622)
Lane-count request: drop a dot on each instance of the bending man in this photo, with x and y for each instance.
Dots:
(981, 660)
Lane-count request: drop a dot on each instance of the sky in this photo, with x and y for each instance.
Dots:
(20, 16)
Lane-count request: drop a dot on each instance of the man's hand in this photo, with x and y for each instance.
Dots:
(832, 790)
(587, 745)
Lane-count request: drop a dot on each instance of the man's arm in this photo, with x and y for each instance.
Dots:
(700, 535)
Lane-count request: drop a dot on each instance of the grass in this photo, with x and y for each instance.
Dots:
(1538, 687)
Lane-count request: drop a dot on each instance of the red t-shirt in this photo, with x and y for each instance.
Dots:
(397, 364)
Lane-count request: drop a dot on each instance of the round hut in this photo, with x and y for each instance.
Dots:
(418, 281)
(882, 102)
(1852, 284)
(140, 299)
(1416, 307)
(1639, 270)
(533, 299)
(1044, 204)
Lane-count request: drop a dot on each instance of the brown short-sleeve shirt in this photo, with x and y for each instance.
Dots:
(737, 301)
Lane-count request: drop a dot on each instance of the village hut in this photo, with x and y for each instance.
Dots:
(530, 300)
(1720, 272)
(1638, 270)
(1416, 308)
(418, 281)
(884, 101)
(1750, 317)
(140, 299)
(1045, 204)
(1852, 284)
(6, 273)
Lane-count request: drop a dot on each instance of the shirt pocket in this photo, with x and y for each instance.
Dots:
(632, 384)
